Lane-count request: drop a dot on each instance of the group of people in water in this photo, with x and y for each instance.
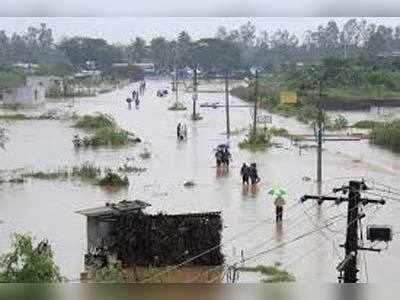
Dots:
(181, 132)
(249, 174)
(222, 157)
(135, 95)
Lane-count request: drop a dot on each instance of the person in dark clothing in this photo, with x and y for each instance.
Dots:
(219, 157)
(244, 172)
(226, 157)
(178, 131)
(253, 174)
(279, 203)
(134, 95)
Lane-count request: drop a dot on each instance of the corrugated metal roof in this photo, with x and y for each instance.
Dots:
(114, 208)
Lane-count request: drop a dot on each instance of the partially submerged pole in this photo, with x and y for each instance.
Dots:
(255, 105)
(194, 115)
(228, 126)
(176, 85)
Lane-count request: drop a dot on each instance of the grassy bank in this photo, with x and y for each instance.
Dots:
(105, 131)
(387, 135)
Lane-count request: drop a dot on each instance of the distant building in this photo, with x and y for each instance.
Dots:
(147, 67)
(33, 92)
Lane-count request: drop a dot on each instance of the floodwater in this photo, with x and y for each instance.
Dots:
(47, 208)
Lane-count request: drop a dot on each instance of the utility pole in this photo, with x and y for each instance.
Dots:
(255, 105)
(194, 115)
(319, 134)
(176, 85)
(228, 125)
(349, 265)
(351, 244)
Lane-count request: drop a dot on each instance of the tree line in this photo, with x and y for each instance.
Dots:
(239, 48)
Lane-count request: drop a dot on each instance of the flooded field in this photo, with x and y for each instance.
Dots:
(46, 208)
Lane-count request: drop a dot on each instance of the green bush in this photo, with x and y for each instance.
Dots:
(274, 273)
(95, 122)
(86, 171)
(387, 135)
(27, 263)
(366, 124)
(113, 179)
(177, 106)
(257, 142)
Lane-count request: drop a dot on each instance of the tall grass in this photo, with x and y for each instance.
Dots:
(86, 171)
(98, 121)
(106, 131)
(387, 135)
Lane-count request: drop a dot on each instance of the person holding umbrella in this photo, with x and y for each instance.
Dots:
(279, 201)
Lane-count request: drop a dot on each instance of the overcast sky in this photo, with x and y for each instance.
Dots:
(124, 29)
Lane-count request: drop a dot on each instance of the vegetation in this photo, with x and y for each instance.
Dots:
(47, 175)
(131, 169)
(339, 123)
(87, 171)
(177, 106)
(387, 135)
(257, 142)
(274, 273)
(29, 263)
(113, 179)
(97, 121)
(113, 273)
(11, 79)
(366, 124)
(23, 117)
(106, 131)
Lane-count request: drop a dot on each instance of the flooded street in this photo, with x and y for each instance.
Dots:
(46, 208)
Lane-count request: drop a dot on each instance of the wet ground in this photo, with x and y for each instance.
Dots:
(47, 208)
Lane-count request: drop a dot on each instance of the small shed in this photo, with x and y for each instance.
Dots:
(124, 231)
(100, 220)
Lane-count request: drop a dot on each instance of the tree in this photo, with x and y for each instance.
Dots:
(222, 33)
(27, 263)
(248, 34)
(79, 50)
(159, 52)
(184, 51)
(138, 50)
(216, 54)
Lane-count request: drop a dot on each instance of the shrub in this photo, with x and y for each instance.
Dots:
(339, 123)
(177, 106)
(86, 171)
(113, 179)
(257, 142)
(274, 273)
(366, 124)
(110, 136)
(95, 122)
(27, 263)
(387, 135)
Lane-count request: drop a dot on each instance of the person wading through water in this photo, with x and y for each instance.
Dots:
(178, 130)
(279, 203)
(253, 174)
(244, 172)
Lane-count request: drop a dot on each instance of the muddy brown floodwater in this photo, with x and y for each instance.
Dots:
(47, 208)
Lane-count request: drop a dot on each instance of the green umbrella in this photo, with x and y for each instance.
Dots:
(277, 191)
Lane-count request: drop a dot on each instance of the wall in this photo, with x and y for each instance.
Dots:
(161, 240)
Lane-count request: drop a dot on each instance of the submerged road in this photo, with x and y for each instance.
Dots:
(47, 208)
